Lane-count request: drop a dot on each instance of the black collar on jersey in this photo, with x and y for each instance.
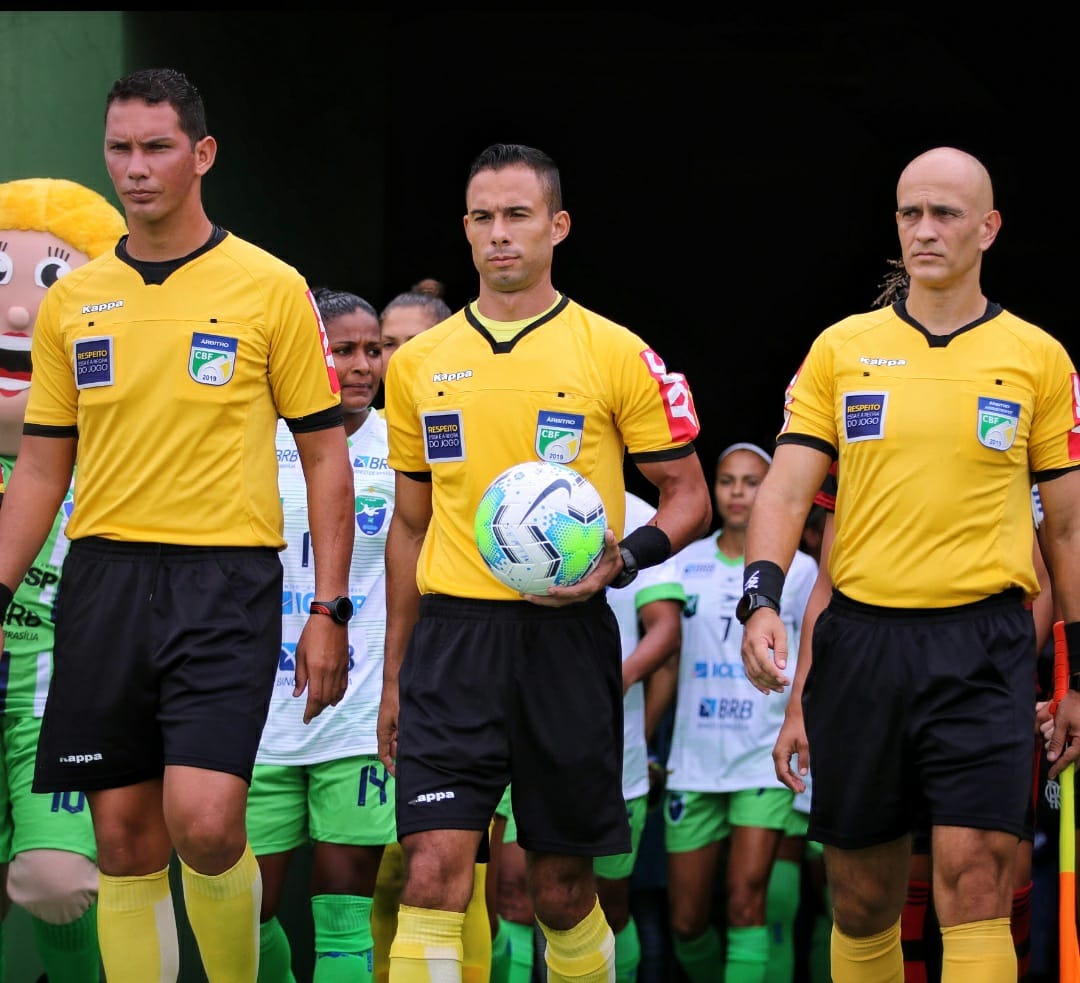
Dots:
(502, 347)
(158, 272)
(941, 340)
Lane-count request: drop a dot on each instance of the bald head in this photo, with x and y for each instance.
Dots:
(948, 168)
(946, 220)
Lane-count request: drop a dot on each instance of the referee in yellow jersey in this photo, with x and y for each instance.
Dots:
(167, 363)
(941, 410)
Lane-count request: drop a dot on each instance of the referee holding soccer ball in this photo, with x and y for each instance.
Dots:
(482, 686)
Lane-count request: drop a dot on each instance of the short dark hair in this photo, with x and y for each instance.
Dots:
(156, 85)
(337, 303)
(500, 155)
(437, 308)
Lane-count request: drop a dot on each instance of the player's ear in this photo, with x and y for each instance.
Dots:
(205, 154)
(560, 226)
(991, 227)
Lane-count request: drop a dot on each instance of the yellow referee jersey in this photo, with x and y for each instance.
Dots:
(175, 390)
(939, 441)
(572, 387)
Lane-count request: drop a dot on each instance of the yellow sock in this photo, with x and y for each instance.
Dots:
(427, 946)
(584, 953)
(873, 959)
(137, 928)
(978, 952)
(224, 913)
(476, 932)
(384, 907)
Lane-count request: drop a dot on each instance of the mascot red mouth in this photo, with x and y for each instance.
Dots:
(15, 367)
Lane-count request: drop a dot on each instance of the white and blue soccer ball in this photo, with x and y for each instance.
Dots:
(540, 525)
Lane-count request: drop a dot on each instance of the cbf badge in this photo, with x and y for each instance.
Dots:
(212, 359)
(558, 436)
(998, 420)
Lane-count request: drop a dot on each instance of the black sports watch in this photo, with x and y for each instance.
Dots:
(629, 571)
(340, 609)
(750, 602)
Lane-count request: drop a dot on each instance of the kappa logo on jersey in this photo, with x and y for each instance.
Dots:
(1074, 434)
(93, 362)
(370, 513)
(998, 420)
(328, 357)
(678, 403)
(558, 436)
(864, 416)
(212, 359)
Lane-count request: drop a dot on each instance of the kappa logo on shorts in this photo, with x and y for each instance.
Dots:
(212, 359)
(558, 436)
(81, 759)
(998, 420)
(427, 798)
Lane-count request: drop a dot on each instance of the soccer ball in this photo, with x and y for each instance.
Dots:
(540, 525)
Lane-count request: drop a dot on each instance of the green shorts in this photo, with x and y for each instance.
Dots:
(36, 820)
(348, 801)
(620, 865)
(505, 809)
(696, 819)
(797, 823)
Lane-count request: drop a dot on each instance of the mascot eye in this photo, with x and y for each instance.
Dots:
(49, 270)
(6, 268)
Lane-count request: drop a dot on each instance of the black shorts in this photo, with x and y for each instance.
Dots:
(917, 717)
(497, 692)
(164, 655)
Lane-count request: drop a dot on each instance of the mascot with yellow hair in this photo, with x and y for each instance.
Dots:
(48, 226)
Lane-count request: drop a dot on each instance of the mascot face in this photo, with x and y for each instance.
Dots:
(48, 227)
(30, 263)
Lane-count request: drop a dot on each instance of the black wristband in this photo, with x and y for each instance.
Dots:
(1072, 648)
(6, 595)
(764, 577)
(649, 544)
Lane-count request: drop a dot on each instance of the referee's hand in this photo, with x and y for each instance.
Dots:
(322, 664)
(1064, 745)
(765, 652)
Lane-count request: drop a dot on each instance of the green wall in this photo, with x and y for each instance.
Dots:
(55, 68)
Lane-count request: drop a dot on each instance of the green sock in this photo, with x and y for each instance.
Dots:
(747, 954)
(275, 954)
(521, 951)
(699, 957)
(781, 907)
(344, 948)
(627, 953)
(500, 954)
(70, 951)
